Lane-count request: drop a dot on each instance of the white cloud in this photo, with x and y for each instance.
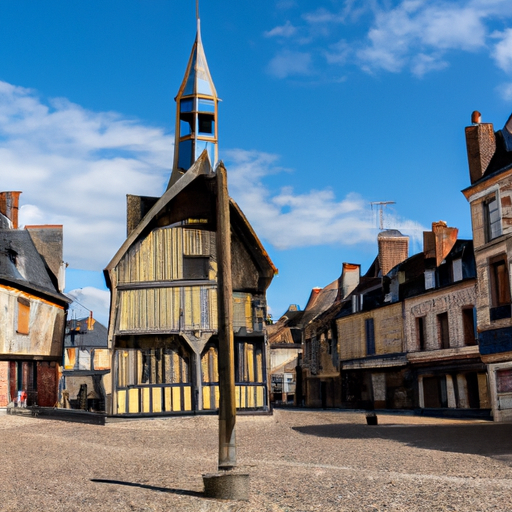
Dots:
(422, 64)
(505, 90)
(288, 63)
(420, 36)
(90, 299)
(75, 168)
(78, 173)
(321, 16)
(502, 52)
(338, 53)
(417, 33)
(286, 30)
(286, 219)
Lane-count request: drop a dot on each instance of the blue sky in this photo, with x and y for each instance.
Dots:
(327, 106)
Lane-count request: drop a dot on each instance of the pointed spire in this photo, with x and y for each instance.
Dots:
(196, 113)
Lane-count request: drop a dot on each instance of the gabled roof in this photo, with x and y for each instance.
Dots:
(21, 265)
(320, 300)
(200, 169)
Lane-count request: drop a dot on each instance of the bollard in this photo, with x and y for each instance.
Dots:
(371, 419)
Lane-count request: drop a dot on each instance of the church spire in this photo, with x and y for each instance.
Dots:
(196, 112)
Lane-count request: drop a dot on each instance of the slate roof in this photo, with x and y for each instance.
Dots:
(319, 301)
(21, 266)
(77, 334)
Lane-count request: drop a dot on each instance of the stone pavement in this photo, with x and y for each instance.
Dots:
(298, 460)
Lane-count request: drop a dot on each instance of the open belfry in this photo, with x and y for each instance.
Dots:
(163, 328)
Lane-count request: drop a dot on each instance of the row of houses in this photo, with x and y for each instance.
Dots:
(432, 331)
(428, 331)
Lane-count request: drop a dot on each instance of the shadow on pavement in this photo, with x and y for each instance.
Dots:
(487, 439)
(183, 492)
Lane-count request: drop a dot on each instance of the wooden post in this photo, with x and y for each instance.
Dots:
(227, 405)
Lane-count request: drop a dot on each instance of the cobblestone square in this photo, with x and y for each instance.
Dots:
(297, 461)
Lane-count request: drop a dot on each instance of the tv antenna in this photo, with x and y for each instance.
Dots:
(380, 205)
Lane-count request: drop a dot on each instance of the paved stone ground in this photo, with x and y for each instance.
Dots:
(297, 461)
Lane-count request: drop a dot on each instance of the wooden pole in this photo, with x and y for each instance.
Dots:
(227, 405)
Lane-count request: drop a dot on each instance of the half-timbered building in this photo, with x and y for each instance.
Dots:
(163, 319)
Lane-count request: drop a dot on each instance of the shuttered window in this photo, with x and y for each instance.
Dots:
(23, 316)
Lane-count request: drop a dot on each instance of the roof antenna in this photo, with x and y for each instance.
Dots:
(380, 205)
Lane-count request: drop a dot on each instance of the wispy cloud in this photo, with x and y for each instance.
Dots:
(75, 168)
(91, 299)
(417, 36)
(286, 30)
(287, 219)
(502, 52)
(290, 63)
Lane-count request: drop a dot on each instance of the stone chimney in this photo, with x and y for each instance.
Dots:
(393, 249)
(9, 205)
(439, 242)
(349, 279)
(136, 209)
(480, 144)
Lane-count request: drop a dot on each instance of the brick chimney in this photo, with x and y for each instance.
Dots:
(9, 205)
(481, 145)
(439, 242)
(393, 249)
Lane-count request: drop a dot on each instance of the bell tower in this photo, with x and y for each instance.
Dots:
(196, 113)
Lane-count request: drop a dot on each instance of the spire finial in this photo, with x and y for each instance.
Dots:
(197, 9)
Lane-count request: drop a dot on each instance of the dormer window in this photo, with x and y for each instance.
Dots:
(457, 270)
(12, 255)
(430, 279)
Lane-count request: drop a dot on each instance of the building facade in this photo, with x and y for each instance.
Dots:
(490, 199)
(85, 376)
(33, 309)
(163, 318)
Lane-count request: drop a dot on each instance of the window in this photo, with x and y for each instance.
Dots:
(206, 124)
(443, 330)
(430, 279)
(468, 321)
(500, 287)
(195, 267)
(248, 362)
(370, 336)
(492, 218)
(457, 270)
(185, 154)
(23, 316)
(186, 124)
(420, 332)
(307, 351)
